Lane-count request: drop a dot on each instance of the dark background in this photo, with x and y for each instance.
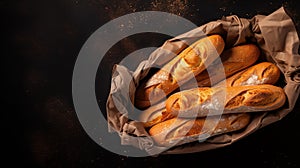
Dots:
(41, 42)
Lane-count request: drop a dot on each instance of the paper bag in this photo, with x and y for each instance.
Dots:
(277, 38)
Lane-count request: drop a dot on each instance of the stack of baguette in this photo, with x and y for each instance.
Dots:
(203, 96)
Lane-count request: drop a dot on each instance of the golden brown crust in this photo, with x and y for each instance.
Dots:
(233, 60)
(191, 61)
(205, 101)
(177, 131)
(262, 73)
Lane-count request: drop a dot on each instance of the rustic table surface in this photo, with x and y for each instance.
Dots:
(43, 42)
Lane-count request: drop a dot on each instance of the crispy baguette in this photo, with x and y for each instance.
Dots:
(177, 131)
(262, 73)
(191, 61)
(233, 60)
(205, 101)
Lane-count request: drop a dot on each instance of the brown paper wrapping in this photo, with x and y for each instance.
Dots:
(277, 38)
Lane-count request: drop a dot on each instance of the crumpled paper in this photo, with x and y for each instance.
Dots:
(277, 38)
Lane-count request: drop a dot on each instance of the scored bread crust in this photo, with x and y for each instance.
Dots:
(177, 131)
(205, 101)
(258, 74)
(191, 61)
(233, 60)
(262, 73)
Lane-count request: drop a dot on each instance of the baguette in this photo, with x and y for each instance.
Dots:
(191, 61)
(200, 102)
(233, 60)
(262, 73)
(177, 131)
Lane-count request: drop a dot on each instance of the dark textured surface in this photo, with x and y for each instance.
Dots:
(43, 40)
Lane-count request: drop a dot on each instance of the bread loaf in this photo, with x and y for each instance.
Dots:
(177, 131)
(233, 60)
(262, 73)
(200, 102)
(191, 61)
